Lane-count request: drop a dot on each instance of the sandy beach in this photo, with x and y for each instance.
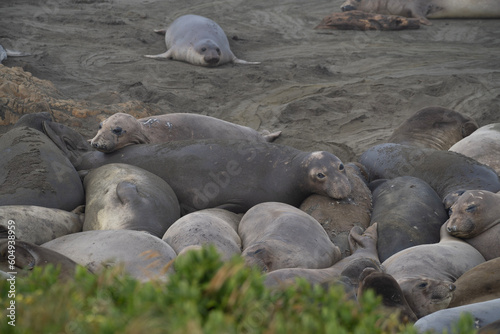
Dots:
(341, 91)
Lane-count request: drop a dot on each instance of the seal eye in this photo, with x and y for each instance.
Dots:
(341, 167)
(471, 208)
(100, 126)
(117, 131)
(218, 51)
(203, 49)
(422, 285)
(321, 175)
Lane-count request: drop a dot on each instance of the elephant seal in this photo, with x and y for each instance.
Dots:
(408, 213)
(142, 255)
(363, 255)
(384, 285)
(38, 225)
(433, 127)
(34, 121)
(277, 235)
(199, 41)
(233, 174)
(28, 255)
(33, 171)
(216, 227)
(484, 313)
(423, 9)
(448, 173)
(482, 145)
(4, 53)
(426, 273)
(121, 130)
(474, 218)
(121, 196)
(478, 284)
(339, 216)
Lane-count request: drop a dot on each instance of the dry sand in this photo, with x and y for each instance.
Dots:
(341, 91)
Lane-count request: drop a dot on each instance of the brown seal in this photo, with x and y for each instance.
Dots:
(433, 127)
(423, 9)
(426, 273)
(358, 20)
(199, 41)
(120, 130)
(478, 284)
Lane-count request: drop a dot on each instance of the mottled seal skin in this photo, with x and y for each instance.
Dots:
(423, 9)
(121, 196)
(277, 235)
(339, 216)
(478, 284)
(484, 313)
(198, 40)
(473, 213)
(448, 173)
(408, 212)
(433, 127)
(364, 255)
(29, 256)
(475, 217)
(426, 273)
(483, 145)
(38, 225)
(233, 175)
(215, 227)
(384, 285)
(33, 171)
(121, 130)
(142, 255)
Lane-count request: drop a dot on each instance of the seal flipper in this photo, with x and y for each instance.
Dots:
(167, 54)
(126, 192)
(241, 61)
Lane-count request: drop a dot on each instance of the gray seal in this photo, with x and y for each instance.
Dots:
(199, 41)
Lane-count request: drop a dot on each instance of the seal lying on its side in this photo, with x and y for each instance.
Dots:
(233, 174)
(433, 9)
(199, 41)
(120, 130)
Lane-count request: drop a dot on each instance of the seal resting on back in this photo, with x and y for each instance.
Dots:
(121, 130)
(423, 9)
(197, 40)
(233, 174)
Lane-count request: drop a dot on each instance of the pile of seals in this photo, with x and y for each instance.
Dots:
(411, 219)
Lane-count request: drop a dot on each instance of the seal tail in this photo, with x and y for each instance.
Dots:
(241, 61)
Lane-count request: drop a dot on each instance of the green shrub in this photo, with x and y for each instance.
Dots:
(204, 295)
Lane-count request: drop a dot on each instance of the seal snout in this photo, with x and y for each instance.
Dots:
(211, 60)
(347, 8)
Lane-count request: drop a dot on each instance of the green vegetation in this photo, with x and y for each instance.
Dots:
(204, 295)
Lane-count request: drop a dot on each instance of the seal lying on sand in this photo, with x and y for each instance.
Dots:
(121, 130)
(199, 41)
(433, 9)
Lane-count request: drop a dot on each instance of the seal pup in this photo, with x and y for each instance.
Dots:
(142, 255)
(433, 127)
(121, 196)
(278, 235)
(4, 53)
(120, 130)
(37, 224)
(215, 227)
(28, 256)
(426, 273)
(482, 145)
(423, 9)
(199, 41)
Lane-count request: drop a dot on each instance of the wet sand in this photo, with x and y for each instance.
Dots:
(341, 91)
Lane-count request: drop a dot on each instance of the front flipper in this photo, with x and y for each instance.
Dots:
(240, 61)
(167, 54)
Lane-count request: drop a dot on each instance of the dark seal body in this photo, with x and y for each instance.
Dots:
(233, 175)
